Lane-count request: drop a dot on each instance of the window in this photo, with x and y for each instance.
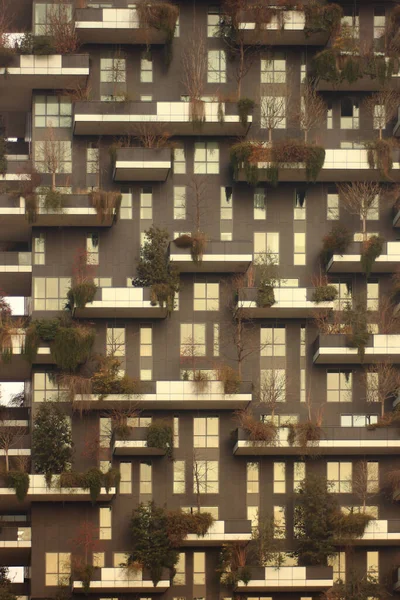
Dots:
(302, 385)
(146, 68)
(215, 339)
(145, 478)
(379, 27)
(372, 477)
(373, 210)
(379, 116)
(53, 156)
(58, 568)
(39, 249)
(206, 158)
(273, 112)
(199, 568)
(176, 432)
(303, 340)
(253, 477)
(339, 475)
(44, 388)
(179, 477)
(273, 68)
(179, 202)
(329, 116)
(45, 12)
(373, 295)
(299, 249)
(279, 478)
(351, 21)
(299, 473)
(349, 114)
(338, 562)
(332, 207)
(53, 111)
(373, 563)
(146, 203)
(92, 159)
(216, 69)
(105, 430)
(260, 204)
(344, 295)
(358, 420)
(279, 523)
(213, 17)
(146, 352)
(98, 559)
(205, 477)
(206, 432)
(112, 70)
(125, 485)
(92, 248)
(273, 341)
(299, 205)
(273, 385)
(105, 523)
(115, 341)
(179, 161)
(226, 206)
(339, 386)
(139, 421)
(193, 339)
(266, 243)
(50, 293)
(206, 296)
(125, 212)
(180, 570)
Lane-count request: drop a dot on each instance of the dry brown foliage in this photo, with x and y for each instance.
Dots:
(258, 431)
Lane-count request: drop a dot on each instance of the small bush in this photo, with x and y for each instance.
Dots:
(335, 242)
(184, 241)
(305, 435)
(230, 378)
(52, 201)
(80, 294)
(41, 45)
(105, 203)
(352, 525)
(72, 346)
(325, 293)
(380, 156)
(199, 244)
(200, 380)
(245, 107)
(18, 481)
(181, 524)
(258, 431)
(93, 480)
(265, 296)
(370, 251)
(160, 435)
(6, 56)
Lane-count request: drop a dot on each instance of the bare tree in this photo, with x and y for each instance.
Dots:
(198, 187)
(272, 389)
(382, 382)
(11, 436)
(312, 110)
(274, 106)
(189, 359)
(194, 72)
(203, 474)
(359, 197)
(61, 27)
(53, 155)
(382, 107)
(362, 485)
(151, 135)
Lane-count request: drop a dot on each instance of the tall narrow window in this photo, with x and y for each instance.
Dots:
(180, 570)
(302, 385)
(332, 207)
(146, 203)
(299, 248)
(92, 159)
(279, 478)
(373, 294)
(146, 352)
(125, 485)
(105, 523)
(329, 116)
(145, 486)
(213, 17)
(125, 211)
(205, 477)
(176, 432)
(40, 247)
(373, 564)
(179, 161)
(179, 477)
(199, 568)
(216, 70)
(279, 522)
(253, 477)
(299, 473)
(379, 28)
(216, 339)
(92, 248)
(350, 114)
(273, 68)
(338, 562)
(146, 68)
(179, 202)
(299, 205)
(260, 204)
(115, 341)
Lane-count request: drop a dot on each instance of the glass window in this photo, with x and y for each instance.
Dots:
(179, 202)
(47, 16)
(373, 210)
(266, 243)
(92, 248)
(350, 114)
(146, 352)
(193, 339)
(340, 476)
(92, 159)
(302, 385)
(206, 432)
(98, 559)
(146, 68)
(299, 473)
(206, 296)
(179, 477)
(50, 293)
(329, 116)
(299, 248)
(176, 432)
(279, 522)
(205, 477)
(105, 523)
(126, 207)
(332, 209)
(273, 341)
(145, 478)
(226, 206)
(260, 204)
(206, 158)
(273, 68)
(279, 478)
(273, 112)
(39, 249)
(338, 562)
(299, 205)
(52, 111)
(216, 339)
(253, 477)
(112, 70)
(373, 295)
(146, 203)
(125, 485)
(373, 563)
(180, 570)
(273, 386)
(216, 69)
(339, 386)
(372, 477)
(199, 568)
(53, 156)
(58, 568)
(179, 161)
(213, 17)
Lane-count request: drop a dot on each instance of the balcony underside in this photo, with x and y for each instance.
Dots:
(350, 356)
(265, 586)
(11, 556)
(135, 448)
(9, 501)
(325, 447)
(365, 84)
(154, 402)
(284, 37)
(104, 587)
(352, 264)
(128, 171)
(279, 312)
(15, 283)
(93, 33)
(325, 175)
(117, 312)
(212, 263)
(16, 90)
(15, 368)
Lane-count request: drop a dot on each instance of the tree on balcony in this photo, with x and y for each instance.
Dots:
(312, 111)
(360, 198)
(10, 437)
(61, 27)
(382, 108)
(194, 74)
(382, 384)
(357, 586)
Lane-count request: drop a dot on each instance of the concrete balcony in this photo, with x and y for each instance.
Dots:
(142, 164)
(219, 257)
(363, 84)
(290, 303)
(129, 302)
(76, 211)
(334, 441)
(350, 262)
(114, 26)
(136, 445)
(15, 545)
(341, 165)
(222, 532)
(333, 349)
(116, 580)
(288, 579)
(39, 492)
(120, 118)
(272, 34)
(16, 273)
(380, 533)
(35, 72)
(177, 395)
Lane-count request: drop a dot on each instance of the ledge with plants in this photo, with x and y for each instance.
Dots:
(380, 154)
(155, 440)
(93, 480)
(254, 162)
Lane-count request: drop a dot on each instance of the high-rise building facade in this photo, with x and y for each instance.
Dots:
(199, 212)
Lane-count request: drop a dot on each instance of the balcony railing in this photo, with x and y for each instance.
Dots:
(135, 444)
(380, 531)
(288, 579)
(334, 349)
(142, 164)
(129, 302)
(350, 262)
(115, 118)
(116, 579)
(333, 440)
(289, 303)
(219, 257)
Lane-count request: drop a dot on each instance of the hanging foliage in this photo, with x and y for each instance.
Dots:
(335, 242)
(380, 155)
(18, 481)
(370, 251)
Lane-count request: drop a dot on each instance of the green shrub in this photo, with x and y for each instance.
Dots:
(18, 481)
(52, 201)
(43, 45)
(80, 294)
(352, 525)
(265, 296)
(380, 156)
(160, 435)
(93, 480)
(245, 107)
(356, 318)
(6, 56)
(105, 203)
(180, 524)
(370, 251)
(199, 244)
(325, 293)
(335, 242)
(72, 346)
(107, 380)
(319, 17)
(230, 378)
(184, 241)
